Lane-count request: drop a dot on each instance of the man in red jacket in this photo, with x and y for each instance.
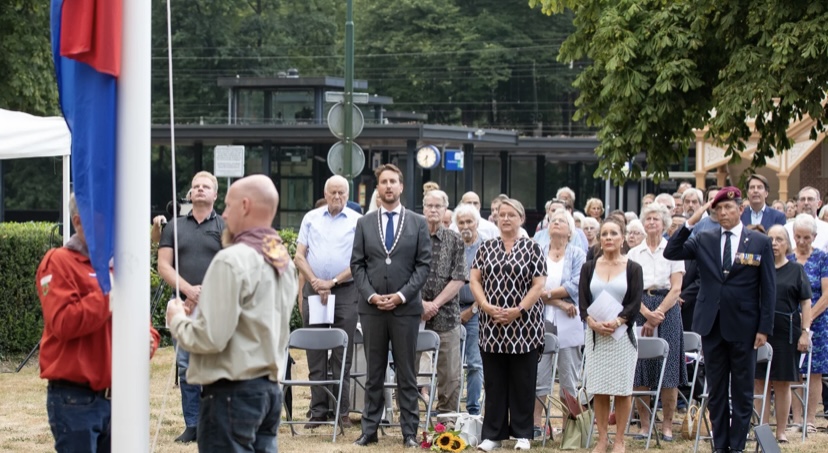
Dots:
(76, 347)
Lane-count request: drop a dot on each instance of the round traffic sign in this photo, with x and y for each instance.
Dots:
(336, 121)
(336, 159)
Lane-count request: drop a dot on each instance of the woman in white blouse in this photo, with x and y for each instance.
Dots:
(564, 259)
(660, 316)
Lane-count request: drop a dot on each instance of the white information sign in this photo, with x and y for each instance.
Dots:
(228, 161)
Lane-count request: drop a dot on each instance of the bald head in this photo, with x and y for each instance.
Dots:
(471, 198)
(251, 202)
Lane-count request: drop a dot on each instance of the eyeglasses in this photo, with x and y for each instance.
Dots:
(635, 233)
(432, 206)
(557, 220)
(810, 199)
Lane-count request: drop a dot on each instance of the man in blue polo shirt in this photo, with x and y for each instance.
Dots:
(199, 239)
(323, 256)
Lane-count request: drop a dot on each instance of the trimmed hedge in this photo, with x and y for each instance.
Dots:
(22, 246)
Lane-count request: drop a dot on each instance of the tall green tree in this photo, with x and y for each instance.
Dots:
(27, 78)
(474, 62)
(655, 69)
(227, 38)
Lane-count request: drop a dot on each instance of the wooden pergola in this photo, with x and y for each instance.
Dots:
(710, 156)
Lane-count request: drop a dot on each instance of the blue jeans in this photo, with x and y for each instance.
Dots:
(240, 416)
(79, 419)
(190, 393)
(474, 373)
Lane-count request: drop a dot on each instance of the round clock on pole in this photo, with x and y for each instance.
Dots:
(428, 157)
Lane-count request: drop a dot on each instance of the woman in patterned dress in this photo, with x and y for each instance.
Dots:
(816, 268)
(610, 364)
(507, 277)
(660, 310)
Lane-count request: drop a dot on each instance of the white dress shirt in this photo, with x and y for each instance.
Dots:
(734, 241)
(655, 268)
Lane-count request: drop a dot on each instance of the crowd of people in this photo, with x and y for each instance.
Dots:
(738, 271)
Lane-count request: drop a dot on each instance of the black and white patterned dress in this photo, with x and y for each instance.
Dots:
(507, 278)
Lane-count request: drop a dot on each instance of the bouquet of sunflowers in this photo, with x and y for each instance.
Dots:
(439, 438)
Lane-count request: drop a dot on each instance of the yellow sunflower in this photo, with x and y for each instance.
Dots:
(444, 440)
(457, 444)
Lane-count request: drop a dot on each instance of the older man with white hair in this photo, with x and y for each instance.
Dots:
(466, 217)
(808, 202)
(486, 230)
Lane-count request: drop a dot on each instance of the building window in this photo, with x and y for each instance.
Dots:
(524, 176)
(250, 108)
(486, 178)
(293, 107)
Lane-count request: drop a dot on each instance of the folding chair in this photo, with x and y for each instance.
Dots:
(805, 385)
(318, 339)
(427, 341)
(705, 397)
(692, 347)
(357, 375)
(651, 348)
(766, 440)
(764, 355)
(550, 348)
(463, 365)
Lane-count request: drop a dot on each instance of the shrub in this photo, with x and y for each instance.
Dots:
(22, 246)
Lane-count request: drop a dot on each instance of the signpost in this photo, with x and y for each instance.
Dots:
(453, 159)
(228, 162)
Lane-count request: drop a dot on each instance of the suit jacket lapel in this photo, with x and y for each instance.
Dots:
(719, 255)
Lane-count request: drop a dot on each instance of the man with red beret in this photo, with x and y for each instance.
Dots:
(734, 310)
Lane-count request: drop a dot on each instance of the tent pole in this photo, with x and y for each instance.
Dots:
(67, 190)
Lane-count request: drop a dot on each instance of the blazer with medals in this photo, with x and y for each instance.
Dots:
(745, 297)
(410, 262)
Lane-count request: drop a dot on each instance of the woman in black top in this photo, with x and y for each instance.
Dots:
(791, 326)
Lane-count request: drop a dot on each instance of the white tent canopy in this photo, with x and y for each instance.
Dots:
(23, 136)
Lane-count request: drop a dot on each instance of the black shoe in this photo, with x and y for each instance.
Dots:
(189, 435)
(410, 442)
(365, 440)
(345, 421)
(722, 450)
(313, 422)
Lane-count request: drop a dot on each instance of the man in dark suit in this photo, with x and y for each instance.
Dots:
(734, 310)
(759, 212)
(390, 263)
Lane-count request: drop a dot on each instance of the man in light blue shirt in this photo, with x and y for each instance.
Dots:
(323, 256)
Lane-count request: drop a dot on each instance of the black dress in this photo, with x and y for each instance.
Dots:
(792, 287)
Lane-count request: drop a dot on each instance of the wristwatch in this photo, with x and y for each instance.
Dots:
(618, 322)
(335, 281)
(807, 329)
(474, 309)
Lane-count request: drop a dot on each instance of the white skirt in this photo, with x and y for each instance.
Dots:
(610, 364)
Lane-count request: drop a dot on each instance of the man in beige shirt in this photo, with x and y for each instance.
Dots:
(238, 338)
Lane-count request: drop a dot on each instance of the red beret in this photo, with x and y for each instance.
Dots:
(727, 193)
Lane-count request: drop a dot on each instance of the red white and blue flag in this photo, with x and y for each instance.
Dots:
(86, 46)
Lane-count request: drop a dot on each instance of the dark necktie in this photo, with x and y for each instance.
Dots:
(389, 231)
(727, 261)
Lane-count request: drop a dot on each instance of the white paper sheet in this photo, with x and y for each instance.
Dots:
(606, 308)
(318, 313)
(422, 325)
(570, 330)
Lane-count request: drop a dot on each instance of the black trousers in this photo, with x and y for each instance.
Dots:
(509, 380)
(729, 365)
(401, 331)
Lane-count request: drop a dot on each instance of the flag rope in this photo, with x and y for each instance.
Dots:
(167, 388)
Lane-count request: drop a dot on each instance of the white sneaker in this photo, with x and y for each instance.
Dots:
(488, 445)
(522, 444)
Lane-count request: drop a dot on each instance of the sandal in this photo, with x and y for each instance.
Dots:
(810, 428)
